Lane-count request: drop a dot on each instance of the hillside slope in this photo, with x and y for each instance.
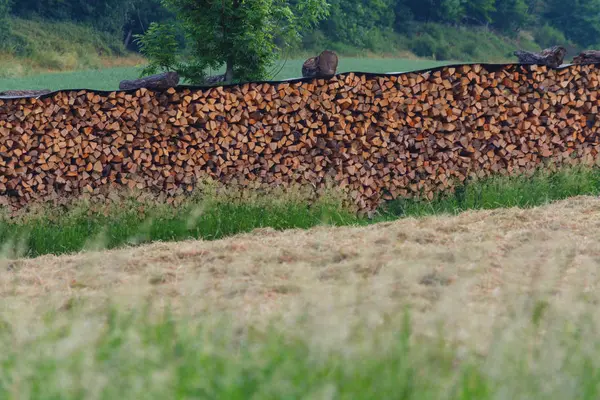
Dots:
(37, 46)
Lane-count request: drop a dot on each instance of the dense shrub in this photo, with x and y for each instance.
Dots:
(4, 23)
(547, 36)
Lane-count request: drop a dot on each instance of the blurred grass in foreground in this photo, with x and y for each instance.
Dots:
(132, 355)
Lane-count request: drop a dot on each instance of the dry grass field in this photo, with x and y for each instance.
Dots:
(468, 275)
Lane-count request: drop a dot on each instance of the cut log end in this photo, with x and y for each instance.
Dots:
(324, 65)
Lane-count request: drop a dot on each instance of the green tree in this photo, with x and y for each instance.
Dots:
(141, 15)
(160, 46)
(451, 11)
(480, 11)
(578, 19)
(5, 6)
(510, 15)
(245, 36)
(352, 21)
(106, 15)
(51, 9)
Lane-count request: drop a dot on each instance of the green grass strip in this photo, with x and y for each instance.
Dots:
(538, 189)
(57, 232)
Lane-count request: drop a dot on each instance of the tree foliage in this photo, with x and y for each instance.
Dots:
(511, 15)
(351, 21)
(434, 10)
(122, 17)
(5, 6)
(244, 36)
(105, 15)
(141, 15)
(481, 11)
(579, 19)
(159, 44)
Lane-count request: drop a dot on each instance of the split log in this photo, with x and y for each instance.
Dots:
(24, 93)
(552, 57)
(322, 66)
(162, 81)
(587, 57)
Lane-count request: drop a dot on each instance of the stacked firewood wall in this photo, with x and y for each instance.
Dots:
(379, 137)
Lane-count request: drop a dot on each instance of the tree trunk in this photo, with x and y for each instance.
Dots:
(128, 38)
(155, 82)
(229, 71)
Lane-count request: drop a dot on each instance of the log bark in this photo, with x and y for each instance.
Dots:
(229, 71)
(322, 66)
(215, 79)
(587, 57)
(154, 82)
(309, 68)
(552, 57)
(24, 93)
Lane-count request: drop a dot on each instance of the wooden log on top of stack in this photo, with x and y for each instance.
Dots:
(162, 81)
(587, 57)
(24, 93)
(552, 57)
(323, 66)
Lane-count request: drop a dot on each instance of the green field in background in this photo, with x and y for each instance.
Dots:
(108, 79)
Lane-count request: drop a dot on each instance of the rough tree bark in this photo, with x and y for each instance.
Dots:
(24, 93)
(552, 57)
(215, 79)
(155, 82)
(128, 38)
(309, 68)
(229, 71)
(587, 57)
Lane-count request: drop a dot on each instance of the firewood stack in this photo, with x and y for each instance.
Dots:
(378, 137)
